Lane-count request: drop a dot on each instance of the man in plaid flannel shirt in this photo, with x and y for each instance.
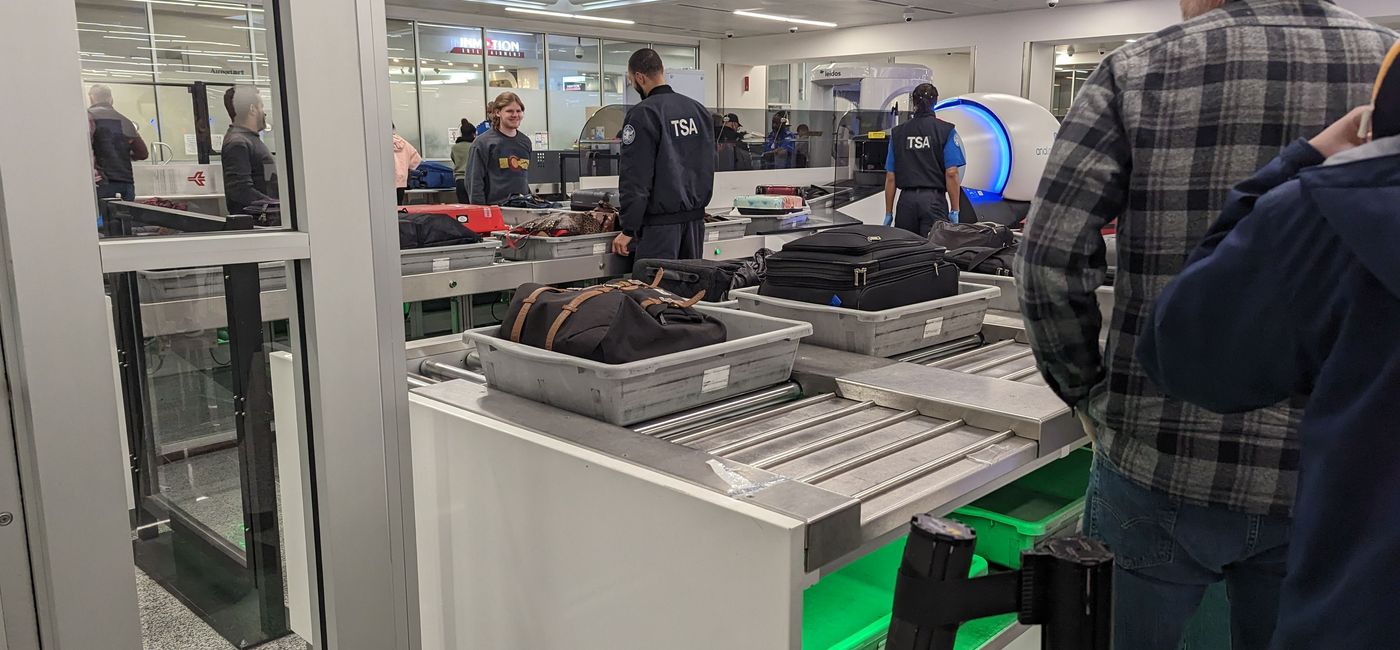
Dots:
(1157, 137)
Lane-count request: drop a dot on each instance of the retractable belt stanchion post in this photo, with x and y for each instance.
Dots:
(1064, 585)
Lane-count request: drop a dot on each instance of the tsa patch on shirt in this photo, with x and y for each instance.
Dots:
(629, 134)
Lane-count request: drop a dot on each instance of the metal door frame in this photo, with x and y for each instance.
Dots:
(334, 101)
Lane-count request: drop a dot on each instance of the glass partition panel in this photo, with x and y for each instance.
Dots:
(780, 84)
(109, 38)
(515, 63)
(403, 81)
(615, 55)
(678, 57)
(160, 81)
(204, 42)
(453, 84)
(812, 139)
(575, 88)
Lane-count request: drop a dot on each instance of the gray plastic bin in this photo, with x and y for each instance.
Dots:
(202, 282)
(759, 353)
(517, 216)
(1010, 298)
(881, 333)
(449, 258)
(731, 228)
(534, 247)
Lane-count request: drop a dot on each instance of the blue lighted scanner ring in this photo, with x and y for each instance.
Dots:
(1003, 138)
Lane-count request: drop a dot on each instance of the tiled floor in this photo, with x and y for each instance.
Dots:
(206, 487)
(167, 625)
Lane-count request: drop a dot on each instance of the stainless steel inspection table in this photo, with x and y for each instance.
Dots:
(700, 530)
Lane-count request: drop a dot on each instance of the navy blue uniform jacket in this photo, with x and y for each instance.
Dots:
(1295, 293)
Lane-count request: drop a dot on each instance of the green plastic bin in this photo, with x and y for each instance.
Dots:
(1034, 507)
(850, 609)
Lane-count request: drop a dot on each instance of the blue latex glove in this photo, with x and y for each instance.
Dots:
(889, 218)
(953, 216)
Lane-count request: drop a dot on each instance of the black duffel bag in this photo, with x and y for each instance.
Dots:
(585, 200)
(618, 322)
(433, 230)
(860, 267)
(964, 235)
(981, 259)
(711, 279)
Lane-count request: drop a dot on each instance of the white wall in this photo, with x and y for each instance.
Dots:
(1081, 58)
(710, 53)
(999, 39)
(735, 97)
(467, 18)
(1040, 82)
(952, 72)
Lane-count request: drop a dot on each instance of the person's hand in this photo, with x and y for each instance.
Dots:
(889, 218)
(1344, 134)
(953, 216)
(621, 243)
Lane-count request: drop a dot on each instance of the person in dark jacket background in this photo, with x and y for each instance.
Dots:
(668, 168)
(461, 157)
(115, 143)
(499, 164)
(1295, 292)
(250, 173)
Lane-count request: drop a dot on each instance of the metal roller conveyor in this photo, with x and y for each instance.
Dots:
(419, 381)
(801, 425)
(677, 425)
(1009, 360)
(757, 417)
(949, 361)
(944, 350)
(442, 370)
(833, 440)
(862, 445)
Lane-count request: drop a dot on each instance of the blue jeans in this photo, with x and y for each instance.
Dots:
(1166, 553)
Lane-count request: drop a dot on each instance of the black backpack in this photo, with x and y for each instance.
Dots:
(965, 235)
(981, 259)
(433, 230)
(618, 322)
(712, 277)
(985, 247)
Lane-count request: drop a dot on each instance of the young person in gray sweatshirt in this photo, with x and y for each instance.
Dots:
(500, 158)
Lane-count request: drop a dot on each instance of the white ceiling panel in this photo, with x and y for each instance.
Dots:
(714, 18)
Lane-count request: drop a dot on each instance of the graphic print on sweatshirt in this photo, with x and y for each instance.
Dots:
(514, 163)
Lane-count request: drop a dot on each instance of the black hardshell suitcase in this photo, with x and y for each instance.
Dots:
(585, 200)
(870, 268)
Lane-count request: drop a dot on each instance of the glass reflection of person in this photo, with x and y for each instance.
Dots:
(250, 173)
(115, 143)
(780, 146)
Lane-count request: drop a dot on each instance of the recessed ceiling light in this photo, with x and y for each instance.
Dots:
(1131, 40)
(785, 19)
(557, 14)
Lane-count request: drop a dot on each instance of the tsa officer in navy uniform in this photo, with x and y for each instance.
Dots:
(925, 154)
(668, 168)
